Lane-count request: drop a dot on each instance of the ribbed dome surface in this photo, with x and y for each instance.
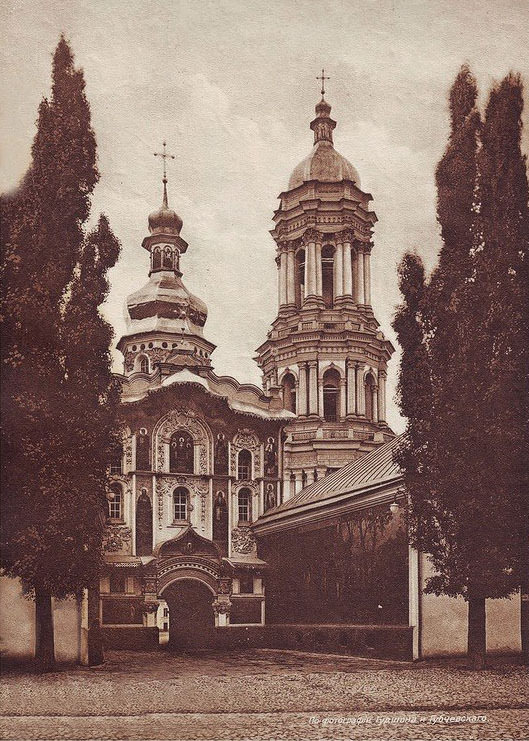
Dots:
(324, 164)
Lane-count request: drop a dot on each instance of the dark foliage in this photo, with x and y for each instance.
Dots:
(464, 374)
(59, 401)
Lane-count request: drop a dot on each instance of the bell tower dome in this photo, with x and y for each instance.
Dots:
(325, 350)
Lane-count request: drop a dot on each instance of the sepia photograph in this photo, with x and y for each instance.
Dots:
(265, 370)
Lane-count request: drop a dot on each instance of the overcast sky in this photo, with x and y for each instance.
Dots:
(231, 86)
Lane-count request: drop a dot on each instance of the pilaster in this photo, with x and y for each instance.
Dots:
(313, 388)
(302, 392)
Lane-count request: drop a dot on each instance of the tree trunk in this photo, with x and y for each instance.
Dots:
(477, 636)
(44, 640)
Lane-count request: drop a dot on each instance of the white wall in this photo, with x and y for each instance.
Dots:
(17, 624)
(444, 622)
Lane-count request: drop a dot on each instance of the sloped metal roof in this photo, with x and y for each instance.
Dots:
(374, 468)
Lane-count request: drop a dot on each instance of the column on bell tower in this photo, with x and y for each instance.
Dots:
(367, 276)
(281, 261)
(302, 390)
(344, 265)
(382, 376)
(338, 271)
(359, 273)
(351, 387)
(360, 391)
(291, 274)
(312, 246)
(313, 387)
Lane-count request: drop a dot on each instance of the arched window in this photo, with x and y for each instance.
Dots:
(289, 392)
(167, 259)
(180, 504)
(142, 450)
(369, 389)
(331, 391)
(156, 259)
(144, 364)
(244, 465)
(181, 452)
(300, 277)
(143, 525)
(244, 505)
(115, 504)
(327, 275)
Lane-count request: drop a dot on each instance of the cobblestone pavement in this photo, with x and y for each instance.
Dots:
(265, 694)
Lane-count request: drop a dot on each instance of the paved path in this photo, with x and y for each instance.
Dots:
(265, 695)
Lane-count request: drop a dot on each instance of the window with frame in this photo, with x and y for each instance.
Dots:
(180, 503)
(115, 504)
(244, 505)
(244, 465)
(144, 364)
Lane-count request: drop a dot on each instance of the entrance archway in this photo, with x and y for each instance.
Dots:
(191, 618)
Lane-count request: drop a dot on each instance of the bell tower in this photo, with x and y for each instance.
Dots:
(325, 350)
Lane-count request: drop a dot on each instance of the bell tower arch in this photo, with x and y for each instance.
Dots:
(325, 350)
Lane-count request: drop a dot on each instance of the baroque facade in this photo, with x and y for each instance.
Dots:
(205, 457)
(200, 462)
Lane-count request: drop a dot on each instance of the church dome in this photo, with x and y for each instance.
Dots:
(163, 302)
(324, 163)
(165, 220)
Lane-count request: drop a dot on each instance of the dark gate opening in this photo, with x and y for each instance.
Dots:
(191, 618)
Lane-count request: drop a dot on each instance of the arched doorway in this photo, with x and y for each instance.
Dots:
(191, 618)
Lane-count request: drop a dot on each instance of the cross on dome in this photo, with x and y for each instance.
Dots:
(165, 156)
(322, 77)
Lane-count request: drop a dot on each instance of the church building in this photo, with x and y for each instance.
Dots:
(204, 457)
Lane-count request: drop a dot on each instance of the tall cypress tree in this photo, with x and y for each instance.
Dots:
(464, 500)
(44, 238)
(501, 311)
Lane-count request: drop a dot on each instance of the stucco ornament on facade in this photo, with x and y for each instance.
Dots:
(116, 538)
(221, 608)
(127, 450)
(242, 540)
